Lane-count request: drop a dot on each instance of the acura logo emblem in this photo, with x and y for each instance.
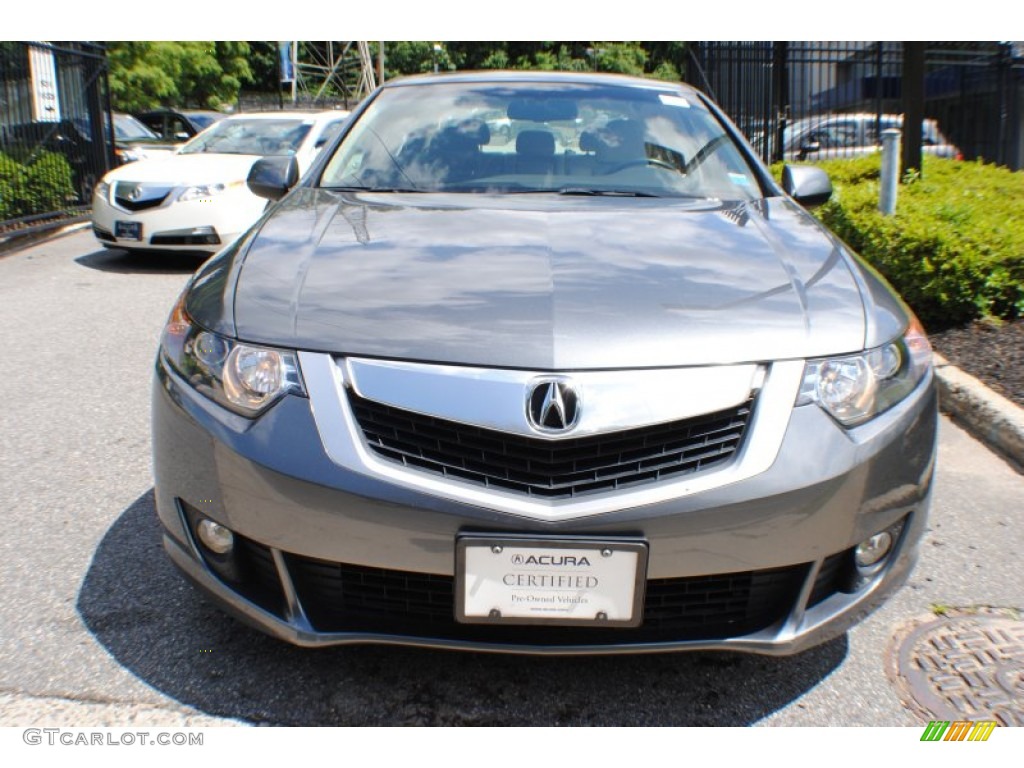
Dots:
(553, 405)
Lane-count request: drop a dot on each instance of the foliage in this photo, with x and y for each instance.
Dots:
(264, 66)
(664, 60)
(45, 184)
(955, 247)
(144, 74)
(147, 74)
(414, 57)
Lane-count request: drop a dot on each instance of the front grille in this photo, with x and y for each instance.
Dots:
(340, 597)
(138, 205)
(135, 197)
(191, 239)
(551, 468)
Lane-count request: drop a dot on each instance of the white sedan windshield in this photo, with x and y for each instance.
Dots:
(251, 137)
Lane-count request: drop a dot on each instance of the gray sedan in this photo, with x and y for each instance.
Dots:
(597, 386)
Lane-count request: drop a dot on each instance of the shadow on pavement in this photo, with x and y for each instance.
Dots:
(155, 263)
(152, 621)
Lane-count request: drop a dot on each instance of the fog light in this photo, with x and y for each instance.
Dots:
(215, 537)
(872, 550)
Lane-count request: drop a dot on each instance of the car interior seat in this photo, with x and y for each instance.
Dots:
(535, 152)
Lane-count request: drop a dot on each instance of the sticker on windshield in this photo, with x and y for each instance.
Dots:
(739, 178)
(673, 101)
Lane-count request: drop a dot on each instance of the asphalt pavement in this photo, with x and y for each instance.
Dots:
(99, 629)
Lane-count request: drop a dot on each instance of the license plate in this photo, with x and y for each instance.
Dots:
(529, 580)
(128, 230)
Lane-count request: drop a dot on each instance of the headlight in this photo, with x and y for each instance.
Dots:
(130, 154)
(102, 190)
(201, 191)
(855, 388)
(244, 378)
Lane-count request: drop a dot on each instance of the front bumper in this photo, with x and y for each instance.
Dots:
(776, 542)
(196, 226)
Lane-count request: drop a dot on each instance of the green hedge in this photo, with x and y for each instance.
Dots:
(955, 247)
(41, 186)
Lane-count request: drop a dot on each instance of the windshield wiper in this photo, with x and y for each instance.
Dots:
(357, 188)
(605, 192)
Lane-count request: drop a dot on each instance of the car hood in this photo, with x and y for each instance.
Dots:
(539, 282)
(179, 170)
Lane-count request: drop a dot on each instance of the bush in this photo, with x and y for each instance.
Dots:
(12, 182)
(955, 247)
(41, 186)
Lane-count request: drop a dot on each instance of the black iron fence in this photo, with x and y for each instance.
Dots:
(784, 96)
(54, 129)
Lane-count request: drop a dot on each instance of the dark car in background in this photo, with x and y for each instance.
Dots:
(601, 387)
(134, 141)
(178, 126)
(72, 138)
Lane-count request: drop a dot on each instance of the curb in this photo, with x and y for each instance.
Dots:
(992, 418)
(12, 242)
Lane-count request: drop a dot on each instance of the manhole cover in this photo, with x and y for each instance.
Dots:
(964, 665)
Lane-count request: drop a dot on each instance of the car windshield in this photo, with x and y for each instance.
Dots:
(127, 128)
(568, 138)
(202, 120)
(255, 136)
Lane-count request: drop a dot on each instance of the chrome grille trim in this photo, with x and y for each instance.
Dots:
(344, 444)
(550, 469)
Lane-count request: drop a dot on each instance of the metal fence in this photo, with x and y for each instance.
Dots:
(54, 131)
(777, 91)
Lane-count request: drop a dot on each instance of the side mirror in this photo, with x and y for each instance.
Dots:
(272, 177)
(181, 136)
(806, 184)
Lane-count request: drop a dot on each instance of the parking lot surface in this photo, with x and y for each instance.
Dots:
(99, 629)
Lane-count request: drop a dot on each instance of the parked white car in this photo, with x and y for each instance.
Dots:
(196, 199)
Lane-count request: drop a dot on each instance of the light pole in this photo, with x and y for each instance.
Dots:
(437, 51)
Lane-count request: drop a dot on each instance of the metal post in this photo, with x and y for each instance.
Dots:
(879, 67)
(913, 104)
(890, 171)
(1002, 88)
(780, 108)
(295, 70)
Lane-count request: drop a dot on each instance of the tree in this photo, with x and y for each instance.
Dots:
(410, 57)
(664, 60)
(265, 66)
(144, 75)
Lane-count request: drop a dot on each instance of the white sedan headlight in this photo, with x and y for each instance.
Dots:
(855, 388)
(204, 191)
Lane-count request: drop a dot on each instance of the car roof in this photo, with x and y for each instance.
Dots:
(532, 76)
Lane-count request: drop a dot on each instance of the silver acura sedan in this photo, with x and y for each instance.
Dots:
(543, 363)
